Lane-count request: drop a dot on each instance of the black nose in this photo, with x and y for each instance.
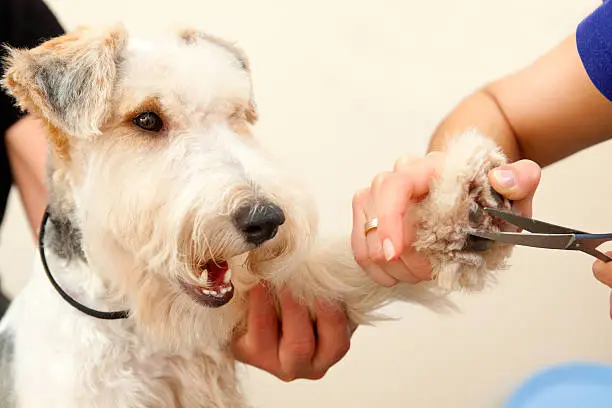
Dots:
(259, 222)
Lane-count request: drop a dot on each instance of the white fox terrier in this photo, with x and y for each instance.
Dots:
(163, 212)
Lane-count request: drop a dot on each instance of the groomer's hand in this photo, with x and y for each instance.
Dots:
(518, 182)
(387, 253)
(290, 348)
(603, 273)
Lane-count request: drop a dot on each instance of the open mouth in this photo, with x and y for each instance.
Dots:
(214, 287)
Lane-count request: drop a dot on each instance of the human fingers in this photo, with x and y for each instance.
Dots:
(518, 182)
(333, 337)
(603, 271)
(258, 346)
(297, 342)
(610, 305)
(359, 244)
(398, 269)
(395, 194)
(390, 199)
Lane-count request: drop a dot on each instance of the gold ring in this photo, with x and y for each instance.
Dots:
(370, 225)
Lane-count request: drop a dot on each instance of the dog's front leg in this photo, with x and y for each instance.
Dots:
(329, 271)
(457, 194)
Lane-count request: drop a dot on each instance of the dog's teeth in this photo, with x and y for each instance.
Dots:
(211, 292)
(228, 276)
(204, 276)
(218, 292)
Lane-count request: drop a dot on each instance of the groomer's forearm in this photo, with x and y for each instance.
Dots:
(26, 145)
(481, 111)
(544, 112)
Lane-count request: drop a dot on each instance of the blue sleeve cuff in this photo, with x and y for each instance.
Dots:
(594, 42)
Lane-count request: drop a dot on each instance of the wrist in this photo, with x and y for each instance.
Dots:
(480, 111)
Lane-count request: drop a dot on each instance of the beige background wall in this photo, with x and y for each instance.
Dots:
(344, 87)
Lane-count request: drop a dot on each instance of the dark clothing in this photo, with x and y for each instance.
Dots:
(594, 42)
(23, 24)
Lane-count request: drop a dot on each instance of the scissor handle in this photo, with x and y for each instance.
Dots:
(592, 240)
(588, 243)
(596, 253)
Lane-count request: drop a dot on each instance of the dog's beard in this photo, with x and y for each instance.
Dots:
(169, 317)
(144, 264)
(169, 313)
(150, 239)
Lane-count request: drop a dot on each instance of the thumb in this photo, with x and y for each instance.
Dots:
(603, 271)
(517, 182)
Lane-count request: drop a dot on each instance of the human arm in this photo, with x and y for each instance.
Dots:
(545, 112)
(555, 107)
(26, 147)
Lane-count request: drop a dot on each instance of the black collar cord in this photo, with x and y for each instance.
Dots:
(123, 314)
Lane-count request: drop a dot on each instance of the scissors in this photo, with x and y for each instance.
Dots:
(544, 235)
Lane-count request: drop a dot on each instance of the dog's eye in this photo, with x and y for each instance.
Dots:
(149, 121)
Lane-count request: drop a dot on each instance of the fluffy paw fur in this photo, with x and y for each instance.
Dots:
(455, 203)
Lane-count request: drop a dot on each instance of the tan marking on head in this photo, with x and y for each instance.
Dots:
(115, 39)
(240, 128)
(151, 104)
(241, 118)
(10, 82)
(63, 40)
(189, 35)
(251, 113)
(121, 128)
(60, 141)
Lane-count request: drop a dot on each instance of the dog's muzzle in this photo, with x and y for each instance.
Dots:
(259, 222)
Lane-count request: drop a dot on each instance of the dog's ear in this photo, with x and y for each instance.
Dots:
(67, 80)
(192, 36)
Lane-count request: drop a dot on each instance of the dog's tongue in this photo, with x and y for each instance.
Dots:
(216, 271)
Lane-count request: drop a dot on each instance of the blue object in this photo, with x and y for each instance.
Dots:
(575, 385)
(594, 42)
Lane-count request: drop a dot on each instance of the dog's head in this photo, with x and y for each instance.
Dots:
(153, 158)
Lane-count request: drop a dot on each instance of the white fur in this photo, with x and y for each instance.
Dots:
(148, 208)
(462, 186)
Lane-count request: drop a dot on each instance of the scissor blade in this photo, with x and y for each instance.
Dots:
(559, 241)
(529, 224)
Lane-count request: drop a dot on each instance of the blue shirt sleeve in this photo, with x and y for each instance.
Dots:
(594, 42)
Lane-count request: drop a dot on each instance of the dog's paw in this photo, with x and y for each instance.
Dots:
(455, 204)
